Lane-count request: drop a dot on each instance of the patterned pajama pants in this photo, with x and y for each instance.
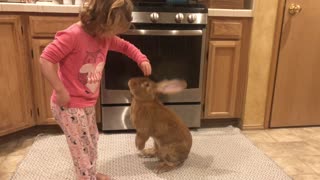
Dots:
(80, 128)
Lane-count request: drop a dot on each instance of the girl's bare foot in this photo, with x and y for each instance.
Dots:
(100, 176)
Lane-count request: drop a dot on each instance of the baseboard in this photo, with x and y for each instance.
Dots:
(252, 127)
(206, 123)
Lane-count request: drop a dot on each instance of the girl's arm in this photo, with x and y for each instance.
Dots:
(124, 47)
(56, 51)
(49, 72)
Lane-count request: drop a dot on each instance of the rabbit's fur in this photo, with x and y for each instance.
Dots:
(172, 138)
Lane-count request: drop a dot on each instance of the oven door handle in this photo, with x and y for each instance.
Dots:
(148, 32)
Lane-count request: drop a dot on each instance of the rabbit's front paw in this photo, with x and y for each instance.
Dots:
(140, 145)
(148, 153)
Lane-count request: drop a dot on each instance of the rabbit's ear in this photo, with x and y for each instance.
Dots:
(171, 86)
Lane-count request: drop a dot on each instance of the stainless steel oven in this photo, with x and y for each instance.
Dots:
(174, 42)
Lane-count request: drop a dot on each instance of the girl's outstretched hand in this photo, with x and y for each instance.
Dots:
(146, 68)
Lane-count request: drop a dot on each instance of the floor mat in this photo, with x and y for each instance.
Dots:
(217, 153)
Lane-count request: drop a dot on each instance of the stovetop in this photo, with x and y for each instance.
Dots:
(169, 7)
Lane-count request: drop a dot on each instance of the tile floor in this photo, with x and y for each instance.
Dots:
(296, 150)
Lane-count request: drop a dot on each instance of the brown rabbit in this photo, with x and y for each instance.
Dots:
(172, 138)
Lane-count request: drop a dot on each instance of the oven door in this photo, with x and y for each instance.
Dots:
(172, 54)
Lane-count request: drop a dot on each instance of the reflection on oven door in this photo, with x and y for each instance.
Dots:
(189, 113)
(171, 57)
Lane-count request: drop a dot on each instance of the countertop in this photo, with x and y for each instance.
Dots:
(74, 9)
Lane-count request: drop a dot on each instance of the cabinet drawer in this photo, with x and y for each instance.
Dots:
(47, 26)
(226, 29)
(226, 4)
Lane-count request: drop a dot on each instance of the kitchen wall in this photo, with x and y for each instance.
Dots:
(259, 62)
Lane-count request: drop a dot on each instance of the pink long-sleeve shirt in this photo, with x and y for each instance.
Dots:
(81, 60)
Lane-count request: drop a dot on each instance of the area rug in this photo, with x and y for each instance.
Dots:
(217, 153)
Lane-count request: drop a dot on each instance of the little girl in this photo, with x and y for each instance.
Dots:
(81, 50)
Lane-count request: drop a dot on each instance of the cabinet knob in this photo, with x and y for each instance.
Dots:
(294, 9)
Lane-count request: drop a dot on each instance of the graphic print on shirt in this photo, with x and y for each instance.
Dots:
(91, 71)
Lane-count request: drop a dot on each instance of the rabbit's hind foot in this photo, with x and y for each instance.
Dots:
(166, 166)
(148, 153)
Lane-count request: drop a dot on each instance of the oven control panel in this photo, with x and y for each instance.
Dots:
(169, 18)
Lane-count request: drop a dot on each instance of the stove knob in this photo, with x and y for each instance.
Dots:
(154, 17)
(192, 18)
(179, 17)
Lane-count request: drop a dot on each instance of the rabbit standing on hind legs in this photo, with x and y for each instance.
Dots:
(150, 118)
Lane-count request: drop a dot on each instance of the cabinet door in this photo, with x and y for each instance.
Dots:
(296, 99)
(42, 87)
(222, 79)
(15, 89)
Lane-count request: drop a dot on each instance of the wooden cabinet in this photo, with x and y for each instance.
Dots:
(42, 88)
(225, 4)
(222, 79)
(42, 31)
(16, 108)
(47, 26)
(25, 94)
(226, 68)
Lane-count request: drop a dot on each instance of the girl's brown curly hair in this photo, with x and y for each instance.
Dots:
(102, 18)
